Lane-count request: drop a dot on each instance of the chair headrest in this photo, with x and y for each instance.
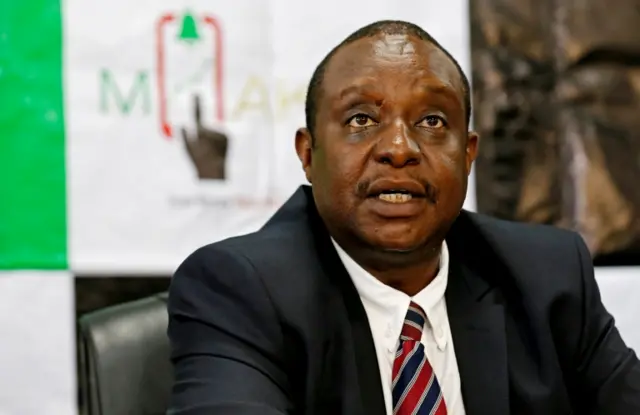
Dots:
(124, 358)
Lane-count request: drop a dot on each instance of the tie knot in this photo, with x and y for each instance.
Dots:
(413, 323)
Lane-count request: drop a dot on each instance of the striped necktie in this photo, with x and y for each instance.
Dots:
(415, 388)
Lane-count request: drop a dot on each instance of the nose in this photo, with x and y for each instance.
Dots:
(397, 148)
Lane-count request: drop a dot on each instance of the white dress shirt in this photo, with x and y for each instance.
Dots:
(386, 309)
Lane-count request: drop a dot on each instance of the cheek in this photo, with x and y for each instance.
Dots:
(450, 171)
(339, 173)
(347, 161)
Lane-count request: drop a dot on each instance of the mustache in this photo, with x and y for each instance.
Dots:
(430, 191)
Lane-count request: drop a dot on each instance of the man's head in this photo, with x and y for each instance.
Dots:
(387, 147)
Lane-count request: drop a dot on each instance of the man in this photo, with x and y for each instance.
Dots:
(371, 292)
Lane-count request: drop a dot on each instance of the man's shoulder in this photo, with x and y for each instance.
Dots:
(279, 244)
(522, 244)
(522, 234)
(541, 260)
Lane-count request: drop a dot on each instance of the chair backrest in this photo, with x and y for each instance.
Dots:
(124, 359)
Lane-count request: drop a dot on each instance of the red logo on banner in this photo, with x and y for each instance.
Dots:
(188, 31)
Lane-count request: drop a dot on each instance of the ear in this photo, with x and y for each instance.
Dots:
(471, 150)
(304, 148)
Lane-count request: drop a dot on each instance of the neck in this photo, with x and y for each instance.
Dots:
(408, 272)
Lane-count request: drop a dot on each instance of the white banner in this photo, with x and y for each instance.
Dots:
(141, 196)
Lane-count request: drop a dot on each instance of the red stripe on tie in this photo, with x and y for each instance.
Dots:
(411, 332)
(442, 408)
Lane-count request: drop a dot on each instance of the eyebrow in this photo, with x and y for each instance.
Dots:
(358, 89)
(442, 89)
(355, 94)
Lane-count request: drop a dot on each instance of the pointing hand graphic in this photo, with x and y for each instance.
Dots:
(207, 148)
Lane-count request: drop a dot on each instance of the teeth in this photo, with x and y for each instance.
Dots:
(395, 197)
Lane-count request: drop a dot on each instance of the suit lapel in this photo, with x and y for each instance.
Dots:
(366, 361)
(476, 316)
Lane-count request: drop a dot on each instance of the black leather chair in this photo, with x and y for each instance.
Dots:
(124, 366)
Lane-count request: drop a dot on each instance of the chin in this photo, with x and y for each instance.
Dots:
(394, 242)
(401, 247)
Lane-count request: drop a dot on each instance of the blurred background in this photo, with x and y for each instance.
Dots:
(131, 133)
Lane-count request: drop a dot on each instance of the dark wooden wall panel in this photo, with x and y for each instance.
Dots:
(557, 104)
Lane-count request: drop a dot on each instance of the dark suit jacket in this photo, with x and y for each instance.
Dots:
(270, 323)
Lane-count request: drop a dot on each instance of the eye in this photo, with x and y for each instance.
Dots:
(433, 121)
(361, 121)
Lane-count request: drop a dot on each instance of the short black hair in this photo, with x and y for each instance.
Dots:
(386, 27)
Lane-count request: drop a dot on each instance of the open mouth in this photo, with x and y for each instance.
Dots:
(396, 196)
(397, 191)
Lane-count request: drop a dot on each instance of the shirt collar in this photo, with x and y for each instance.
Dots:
(391, 305)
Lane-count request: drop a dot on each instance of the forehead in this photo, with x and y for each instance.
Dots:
(391, 59)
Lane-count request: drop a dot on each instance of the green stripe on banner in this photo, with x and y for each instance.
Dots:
(33, 230)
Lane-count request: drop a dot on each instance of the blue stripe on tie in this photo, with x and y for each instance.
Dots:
(404, 379)
(430, 400)
(416, 318)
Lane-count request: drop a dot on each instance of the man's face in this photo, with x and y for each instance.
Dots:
(392, 153)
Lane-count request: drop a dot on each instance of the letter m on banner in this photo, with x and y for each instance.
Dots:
(113, 95)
